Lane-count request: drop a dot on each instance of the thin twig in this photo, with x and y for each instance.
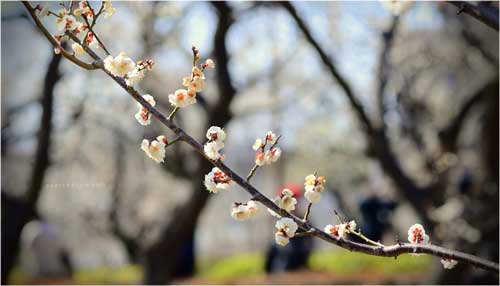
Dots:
(486, 14)
(386, 251)
(47, 34)
(360, 235)
(254, 168)
(308, 211)
(172, 114)
(177, 139)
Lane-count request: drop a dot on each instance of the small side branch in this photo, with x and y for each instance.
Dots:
(486, 14)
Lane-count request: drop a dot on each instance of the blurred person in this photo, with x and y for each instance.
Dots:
(295, 254)
(375, 211)
(43, 254)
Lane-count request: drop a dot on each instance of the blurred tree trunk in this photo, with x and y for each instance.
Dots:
(482, 213)
(17, 212)
(161, 259)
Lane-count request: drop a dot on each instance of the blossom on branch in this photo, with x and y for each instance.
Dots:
(85, 10)
(216, 134)
(143, 116)
(209, 63)
(285, 201)
(41, 11)
(286, 230)
(120, 65)
(92, 41)
(314, 186)
(67, 22)
(448, 263)
(156, 149)
(341, 230)
(182, 98)
(240, 211)
(272, 155)
(416, 234)
(217, 180)
(108, 8)
(263, 157)
(77, 48)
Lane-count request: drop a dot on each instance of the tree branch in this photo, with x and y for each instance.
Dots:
(388, 251)
(486, 14)
(51, 39)
(354, 101)
(449, 135)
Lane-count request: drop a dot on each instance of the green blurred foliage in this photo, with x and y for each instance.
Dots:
(251, 265)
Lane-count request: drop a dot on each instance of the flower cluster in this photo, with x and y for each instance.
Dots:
(448, 263)
(138, 73)
(194, 83)
(286, 230)
(67, 21)
(240, 211)
(285, 201)
(143, 116)
(216, 137)
(263, 157)
(217, 180)
(416, 234)
(341, 230)
(155, 149)
(123, 66)
(314, 186)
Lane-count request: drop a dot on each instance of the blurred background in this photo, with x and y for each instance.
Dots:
(399, 113)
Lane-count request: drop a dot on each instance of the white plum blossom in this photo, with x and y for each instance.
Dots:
(314, 186)
(312, 196)
(92, 42)
(143, 116)
(182, 98)
(271, 137)
(266, 157)
(346, 228)
(197, 84)
(285, 201)
(448, 263)
(217, 180)
(272, 155)
(120, 65)
(341, 230)
(215, 133)
(396, 7)
(416, 234)
(260, 159)
(78, 49)
(135, 76)
(156, 149)
(216, 137)
(241, 211)
(210, 63)
(85, 10)
(286, 230)
(332, 230)
(67, 22)
(211, 149)
(257, 144)
(108, 8)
